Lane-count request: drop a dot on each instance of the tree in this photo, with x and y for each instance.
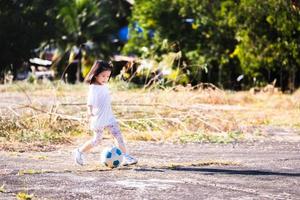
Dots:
(95, 21)
(220, 40)
(268, 34)
(24, 24)
(201, 30)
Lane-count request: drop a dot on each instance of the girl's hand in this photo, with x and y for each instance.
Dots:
(90, 115)
(90, 112)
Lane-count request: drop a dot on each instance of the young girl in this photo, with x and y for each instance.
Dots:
(100, 112)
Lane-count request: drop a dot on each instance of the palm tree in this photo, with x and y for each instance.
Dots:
(82, 21)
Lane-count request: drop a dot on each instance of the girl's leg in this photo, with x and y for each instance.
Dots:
(93, 142)
(79, 158)
(115, 130)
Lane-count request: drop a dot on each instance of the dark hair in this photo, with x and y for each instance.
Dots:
(98, 67)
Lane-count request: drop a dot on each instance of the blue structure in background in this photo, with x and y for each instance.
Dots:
(151, 33)
(124, 34)
(137, 27)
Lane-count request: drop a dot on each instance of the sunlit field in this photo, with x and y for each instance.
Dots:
(49, 113)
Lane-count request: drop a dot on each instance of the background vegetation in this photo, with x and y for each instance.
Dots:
(188, 41)
(40, 117)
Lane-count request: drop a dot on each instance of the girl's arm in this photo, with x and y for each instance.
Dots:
(90, 110)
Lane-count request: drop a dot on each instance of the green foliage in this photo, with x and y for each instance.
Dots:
(97, 21)
(201, 30)
(23, 26)
(26, 25)
(217, 40)
(268, 37)
(220, 40)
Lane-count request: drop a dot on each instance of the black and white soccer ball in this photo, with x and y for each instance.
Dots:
(112, 157)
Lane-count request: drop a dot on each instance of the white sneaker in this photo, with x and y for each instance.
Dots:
(78, 157)
(129, 160)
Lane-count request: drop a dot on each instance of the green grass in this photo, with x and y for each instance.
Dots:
(144, 114)
(2, 188)
(213, 138)
(38, 130)
(24, 196)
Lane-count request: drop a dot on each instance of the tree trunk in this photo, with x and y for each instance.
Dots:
(281, 79)
(78, 72)
(291, 82)
(14, 69)
(220, 84)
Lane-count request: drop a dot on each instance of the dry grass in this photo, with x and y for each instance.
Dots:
(55, 113)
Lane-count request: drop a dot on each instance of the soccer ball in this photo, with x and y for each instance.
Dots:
(112, 157)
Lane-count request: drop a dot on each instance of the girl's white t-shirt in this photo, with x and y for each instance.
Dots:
(99, 98)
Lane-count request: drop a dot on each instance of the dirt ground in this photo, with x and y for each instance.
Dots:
(252, 170)
(266, 168)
